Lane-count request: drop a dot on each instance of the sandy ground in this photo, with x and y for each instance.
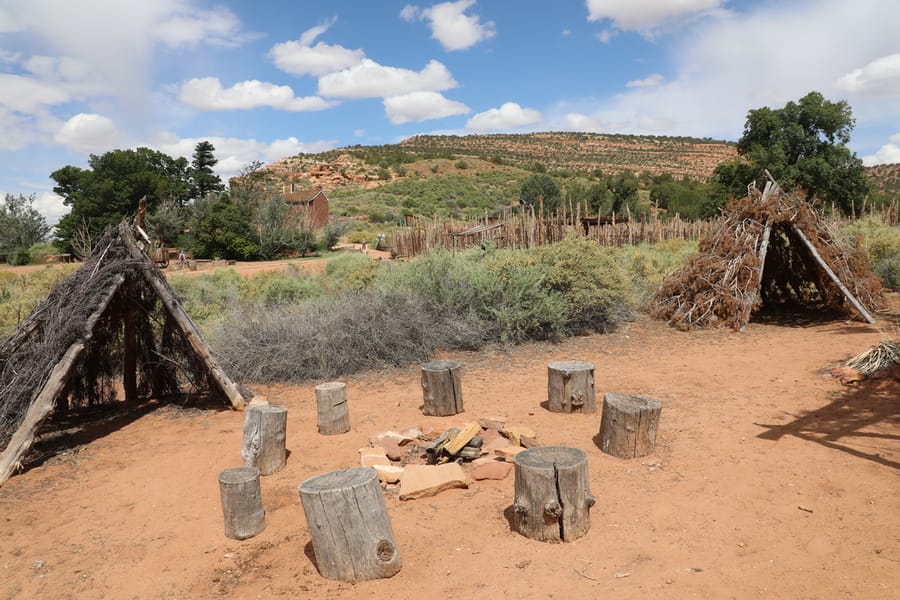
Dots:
(770, 480)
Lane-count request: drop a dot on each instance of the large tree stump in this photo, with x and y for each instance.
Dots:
(553, 497)
(241, 502)
(442, 388)
(348, 522)
(570, 387)
(628, 425)
(264, 438)
(333, 414)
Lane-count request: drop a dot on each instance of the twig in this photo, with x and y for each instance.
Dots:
(583, 575)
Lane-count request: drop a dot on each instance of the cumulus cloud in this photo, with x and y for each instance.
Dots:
(887, 155)
(88, 133)
(880, 77)
(649, 81)
(372, 80)
(421, 106)
(580, 122)
(189, 27)
(302, 58)
(234, 154)
(207, 93)
(647, 16)
(28, 95)
(51, 206)
(449, 24)
(509, 116)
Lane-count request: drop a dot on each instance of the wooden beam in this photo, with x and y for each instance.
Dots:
(183, 320)
(856, 303)
(41, 406)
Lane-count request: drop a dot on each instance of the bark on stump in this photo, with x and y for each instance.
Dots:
(348, 522)
(553, 497)
(241, 502)
(570, 387)
(333, 415)
(264, 438)
(441, 388)
(628, 425)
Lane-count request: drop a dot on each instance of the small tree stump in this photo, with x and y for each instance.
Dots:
(442, 388)
(628, 425)
(348, 522)
(333, 415)
(264, 438)
(570, 387)
(241, 502)
(553, 497)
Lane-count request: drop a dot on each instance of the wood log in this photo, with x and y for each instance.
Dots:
(184, 322)
(241, 502)
(264, 438)
(332, 411)
(553, 497)
(628, 425)
(570, 387)
(442, 388)
(351, 533)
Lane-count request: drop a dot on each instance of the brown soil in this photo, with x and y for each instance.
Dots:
(769, 480)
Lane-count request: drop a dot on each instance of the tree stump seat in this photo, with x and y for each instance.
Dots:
(553, 497)
(442, 388)
(265, 432)
(628, 425)
(351, 533)
(570, 387)
(241, 502)
(332, 412)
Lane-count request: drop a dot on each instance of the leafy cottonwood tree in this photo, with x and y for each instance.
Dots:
(540, 188)
(110, 189)
(21, 225)
(803, 145)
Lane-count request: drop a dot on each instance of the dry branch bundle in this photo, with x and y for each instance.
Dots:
(755, 257)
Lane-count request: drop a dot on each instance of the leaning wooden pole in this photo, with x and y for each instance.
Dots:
(856, 303)
(188, 328)
(43, 404)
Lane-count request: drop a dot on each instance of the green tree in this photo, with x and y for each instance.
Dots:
(204, 180)
(540, 188)
(111, 187)
(21, 225)
(804, 146)
(223, 228)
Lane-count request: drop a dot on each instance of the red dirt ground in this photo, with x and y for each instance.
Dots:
(769, 480)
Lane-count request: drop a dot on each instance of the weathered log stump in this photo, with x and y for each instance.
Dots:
(442, 388)
(348, 522)
(241, 502)
(265, 429)
(628, 425)
(570, 387)
(333, 414)
(553, 497)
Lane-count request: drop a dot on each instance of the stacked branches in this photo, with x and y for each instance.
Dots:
(91, 307)
(755, 258)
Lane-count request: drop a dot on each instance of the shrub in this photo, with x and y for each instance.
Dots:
(888, 269)
(19, 256)
(354, 271)
(274, 288)
(461, 165)
(597, 289)
(209, 295)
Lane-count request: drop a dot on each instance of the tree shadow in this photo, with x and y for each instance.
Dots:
(867, 414)
(310, 553)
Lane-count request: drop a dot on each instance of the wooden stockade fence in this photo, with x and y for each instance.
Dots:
(519, 229)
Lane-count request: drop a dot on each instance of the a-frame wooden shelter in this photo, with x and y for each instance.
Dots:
(115, 324)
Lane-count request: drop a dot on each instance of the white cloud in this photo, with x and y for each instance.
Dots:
(421, 106)
(302, 58)
(207, 93)
(190, 27)
(450, 26)
(51, 206)
(649, 81)
(509, 116)
(580, 122)
(28, 95)
(647, 16)
(88, 133)
(372, 80)
(880, 77)
(887, 155)
(606, 35)
(716, 78)
(234, 154)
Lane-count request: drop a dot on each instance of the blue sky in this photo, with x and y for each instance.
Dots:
(268, 79)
